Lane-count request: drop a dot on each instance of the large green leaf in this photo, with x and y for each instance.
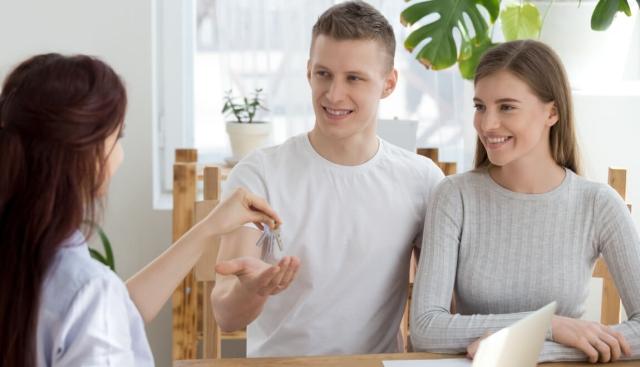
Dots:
(606, 10)
(441, 50)
(108, 258)
(469, 59)
(106, 244)
(520, 21)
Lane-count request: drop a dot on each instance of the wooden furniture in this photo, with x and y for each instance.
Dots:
(371, 360)
(610, 306)
(195, 332)
(448, 168)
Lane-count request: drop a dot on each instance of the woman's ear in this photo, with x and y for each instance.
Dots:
(553, 116)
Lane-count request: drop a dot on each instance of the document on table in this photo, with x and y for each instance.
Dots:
(455, 362)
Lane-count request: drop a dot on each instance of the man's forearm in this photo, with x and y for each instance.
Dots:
(234, 307)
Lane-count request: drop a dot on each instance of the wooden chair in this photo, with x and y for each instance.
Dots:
(448, 168)
(610, 305)
(195, 332)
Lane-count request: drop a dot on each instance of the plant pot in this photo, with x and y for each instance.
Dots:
(245, 137)
(590, 57)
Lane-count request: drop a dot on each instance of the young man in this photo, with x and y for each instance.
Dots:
(352, 207)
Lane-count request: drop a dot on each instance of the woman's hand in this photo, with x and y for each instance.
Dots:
(599, 342)
(240, 208)
(472, 349)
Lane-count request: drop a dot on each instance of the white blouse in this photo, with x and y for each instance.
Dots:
(86, 315)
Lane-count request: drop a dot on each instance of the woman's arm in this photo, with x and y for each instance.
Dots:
(152, 286)
(433, 327)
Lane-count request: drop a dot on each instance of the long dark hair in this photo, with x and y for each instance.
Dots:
(540, 67)
(55, 114)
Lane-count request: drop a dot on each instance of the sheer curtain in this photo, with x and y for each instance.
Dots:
(247, 44)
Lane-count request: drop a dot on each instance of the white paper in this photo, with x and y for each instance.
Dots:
(454, 362)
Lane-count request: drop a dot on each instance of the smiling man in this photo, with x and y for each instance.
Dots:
(352, 205)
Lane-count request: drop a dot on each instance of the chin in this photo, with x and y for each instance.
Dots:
(498, 162)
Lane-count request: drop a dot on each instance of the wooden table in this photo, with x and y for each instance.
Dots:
(371, 360)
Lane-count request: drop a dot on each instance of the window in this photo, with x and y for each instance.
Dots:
(247, 44)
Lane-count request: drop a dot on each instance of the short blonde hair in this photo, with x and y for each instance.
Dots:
(356, 20)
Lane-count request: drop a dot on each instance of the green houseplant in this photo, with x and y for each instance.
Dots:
(245, 133)
(520, 20)
(243, 109)
(106, 258)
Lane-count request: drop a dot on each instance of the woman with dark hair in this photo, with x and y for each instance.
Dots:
(60, 123)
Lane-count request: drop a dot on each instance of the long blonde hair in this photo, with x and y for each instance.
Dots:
(540, 67)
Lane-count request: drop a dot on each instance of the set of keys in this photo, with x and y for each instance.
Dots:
(267, 242)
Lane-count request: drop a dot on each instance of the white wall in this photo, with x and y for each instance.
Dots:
(120, 32)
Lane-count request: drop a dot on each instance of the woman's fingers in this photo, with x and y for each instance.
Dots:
(614, 345)
(585, 346)
(604, 350)
(270, 217)
(625, 348)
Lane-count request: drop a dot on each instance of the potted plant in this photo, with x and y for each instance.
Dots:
(519, 20)
(245, 133)
(106, 258)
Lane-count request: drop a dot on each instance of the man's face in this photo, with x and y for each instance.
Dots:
(348, 78)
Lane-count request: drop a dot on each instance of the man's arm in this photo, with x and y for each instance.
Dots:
(244, 282)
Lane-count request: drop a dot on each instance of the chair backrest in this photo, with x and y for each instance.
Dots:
(184, 302)
(195, 332)
(448, 168)
(610, 305)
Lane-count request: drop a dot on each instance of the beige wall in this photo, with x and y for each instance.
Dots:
(120, 32)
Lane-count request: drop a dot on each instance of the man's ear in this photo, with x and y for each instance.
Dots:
(390, 83)
(309, 70)
(553, 117)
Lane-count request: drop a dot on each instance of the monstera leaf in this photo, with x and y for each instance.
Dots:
(606, 10)
(470, 53)
(441, 51)
(520, 21)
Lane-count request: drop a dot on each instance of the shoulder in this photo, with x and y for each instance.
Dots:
(85, 309)
(75, 280)
(74, 269)
(412, 163)
(600, 194)
(463, 182)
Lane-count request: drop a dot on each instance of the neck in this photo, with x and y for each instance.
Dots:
(351, 151)
(530, 178)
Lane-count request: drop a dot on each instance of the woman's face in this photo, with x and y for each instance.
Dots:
(115, 156)
(513, 124)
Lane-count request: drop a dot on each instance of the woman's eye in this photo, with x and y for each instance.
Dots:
(353, 78)
(478, 107)
(507, 107)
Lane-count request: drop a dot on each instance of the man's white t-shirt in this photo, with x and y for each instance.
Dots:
(353, 228)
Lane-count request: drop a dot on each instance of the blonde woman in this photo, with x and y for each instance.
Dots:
(523, 228)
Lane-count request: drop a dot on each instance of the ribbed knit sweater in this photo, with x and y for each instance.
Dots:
(506, 254)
